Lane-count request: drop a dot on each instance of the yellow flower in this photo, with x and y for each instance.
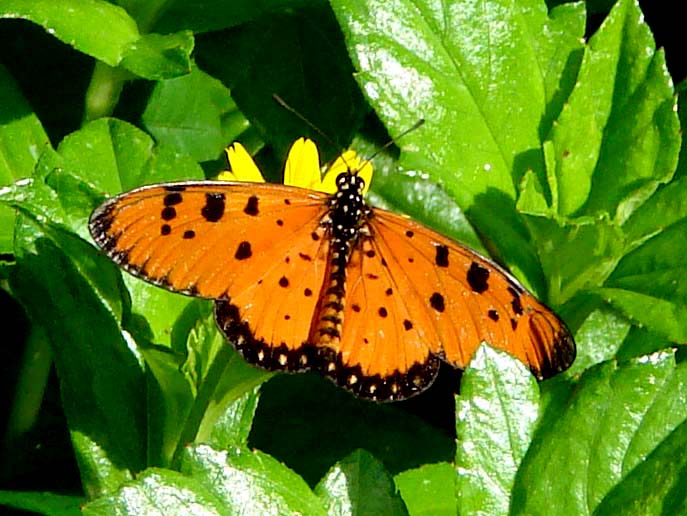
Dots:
(302, 167)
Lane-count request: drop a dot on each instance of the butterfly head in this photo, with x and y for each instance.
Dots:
(347, 207)
(350, 181)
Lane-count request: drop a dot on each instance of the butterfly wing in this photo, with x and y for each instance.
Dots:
(469, 299)
(384, 354)
(258, 247)
(414, 295)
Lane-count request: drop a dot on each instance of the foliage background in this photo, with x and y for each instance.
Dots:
(146, 410)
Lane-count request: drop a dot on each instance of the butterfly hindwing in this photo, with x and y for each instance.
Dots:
(378, 336)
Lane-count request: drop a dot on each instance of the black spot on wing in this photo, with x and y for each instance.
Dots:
(168, 213)
(172, 199)
(243, 251)
(493, 315)
(436, 301)
(516, 304)
(188, 234)
(213, 210)
(441, 258)
(382, 312)
(283, 282)
(165, 229)
(251, 207)
(478, 278)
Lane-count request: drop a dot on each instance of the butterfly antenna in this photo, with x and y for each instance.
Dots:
(335, 145)
(312, 126)
(388, 144)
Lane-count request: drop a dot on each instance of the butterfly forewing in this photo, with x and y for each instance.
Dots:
(207, 238)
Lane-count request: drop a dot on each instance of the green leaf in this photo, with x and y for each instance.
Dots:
(34, 198)
(74, 294)
(156, 56)
(640, 341)
(359, 484)
(599, 338)
(663, 316)
(613, 419)
(48, 504)
(158, 491)
(233, 425)
(116, 156)
(223, 383)
(22, 139)
(80, 23)
(617, 140)
(649, 284)
(190, 113)
(657, 486)
(250, 482)
(664, 209)
(578, 254)
(478, 140)
(170, 398)
(429, 490)
(201, 390)
(158, 307)
(495, 417)
(94, 27)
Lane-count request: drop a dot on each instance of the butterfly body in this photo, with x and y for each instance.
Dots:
(304, 280)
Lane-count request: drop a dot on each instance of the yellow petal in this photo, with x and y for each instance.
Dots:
(303, 165)
(242, 166)
(349, 160)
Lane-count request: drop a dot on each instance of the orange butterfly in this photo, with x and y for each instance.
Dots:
(307, 280)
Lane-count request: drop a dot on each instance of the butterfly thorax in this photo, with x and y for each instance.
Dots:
(345, 221)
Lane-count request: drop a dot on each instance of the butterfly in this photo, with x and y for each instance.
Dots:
(316, 279)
